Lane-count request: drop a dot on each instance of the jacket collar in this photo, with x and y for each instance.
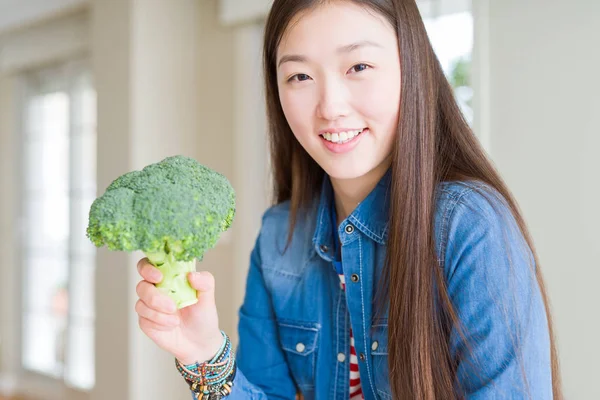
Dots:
(370, 216)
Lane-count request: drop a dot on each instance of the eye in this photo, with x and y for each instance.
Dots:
(299, 78)
(359, 67)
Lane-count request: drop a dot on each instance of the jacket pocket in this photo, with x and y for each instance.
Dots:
(299, 342)
(379, 353)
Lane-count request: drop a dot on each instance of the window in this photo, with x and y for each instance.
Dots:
(449, 24)
(58, 187)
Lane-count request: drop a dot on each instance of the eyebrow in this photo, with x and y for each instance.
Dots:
(343, 49)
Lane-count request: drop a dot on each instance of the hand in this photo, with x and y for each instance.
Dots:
(192, 333)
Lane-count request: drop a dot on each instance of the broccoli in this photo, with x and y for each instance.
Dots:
(173, 211)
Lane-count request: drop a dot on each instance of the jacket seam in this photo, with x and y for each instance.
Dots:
(450, 210)
(318, 227)
(364, 322)
(373, 235)
(281, 273)
(337, 333)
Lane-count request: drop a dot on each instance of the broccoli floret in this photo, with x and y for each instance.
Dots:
(173, 211)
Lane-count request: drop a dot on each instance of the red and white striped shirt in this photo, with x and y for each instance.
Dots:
(355, 387)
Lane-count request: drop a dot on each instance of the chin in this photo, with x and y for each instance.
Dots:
(339, 172)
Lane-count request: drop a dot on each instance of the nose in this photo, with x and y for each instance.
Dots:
(333, 101)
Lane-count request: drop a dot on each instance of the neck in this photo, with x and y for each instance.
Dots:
(348, 193)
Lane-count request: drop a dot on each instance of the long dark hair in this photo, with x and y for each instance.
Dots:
(434, 144)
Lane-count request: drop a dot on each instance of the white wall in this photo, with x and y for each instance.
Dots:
(235, 11)
(8, 237)
(545, 134)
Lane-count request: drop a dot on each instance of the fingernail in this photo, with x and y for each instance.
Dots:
(157, 276)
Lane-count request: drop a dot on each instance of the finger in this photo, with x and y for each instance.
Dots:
(154, 299)
(202, 280)
(146, 325)
(204, 283)
(166, 320)
(148, 271)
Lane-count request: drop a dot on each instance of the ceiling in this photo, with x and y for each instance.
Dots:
(16, 13)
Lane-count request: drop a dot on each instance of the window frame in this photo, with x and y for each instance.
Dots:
(64, 74)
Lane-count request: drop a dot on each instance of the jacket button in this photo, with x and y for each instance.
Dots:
(354, 278)
(349, 229)
(300, 347)
(375, 345)
(324, 248)
(341, 357)
(362, 357)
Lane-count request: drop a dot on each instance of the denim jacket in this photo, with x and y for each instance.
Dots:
(295, 318)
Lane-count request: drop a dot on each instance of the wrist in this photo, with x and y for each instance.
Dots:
(213, 345)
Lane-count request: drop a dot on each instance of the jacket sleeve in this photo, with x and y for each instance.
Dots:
(262, 371)
(491, 282)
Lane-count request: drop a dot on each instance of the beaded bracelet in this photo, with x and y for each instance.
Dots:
(216, 388)
(212, 379)
(224, 391)
(210, 386)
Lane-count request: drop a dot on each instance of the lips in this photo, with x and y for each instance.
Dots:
(345, 146)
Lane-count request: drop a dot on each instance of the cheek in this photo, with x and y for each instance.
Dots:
(296, 109)
(380, 101)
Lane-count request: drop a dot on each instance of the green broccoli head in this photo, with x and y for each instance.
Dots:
(177, 206)
(173, 211)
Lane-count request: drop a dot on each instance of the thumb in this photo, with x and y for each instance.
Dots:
(204, 283)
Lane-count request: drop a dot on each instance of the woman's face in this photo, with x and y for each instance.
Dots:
(338, 71)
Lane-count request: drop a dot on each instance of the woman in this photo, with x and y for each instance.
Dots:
(395, 262)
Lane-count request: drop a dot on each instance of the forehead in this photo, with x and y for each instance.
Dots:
(328, 26)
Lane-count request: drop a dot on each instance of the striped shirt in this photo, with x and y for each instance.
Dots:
(355, 388)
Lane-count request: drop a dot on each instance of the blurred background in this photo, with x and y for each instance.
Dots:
(91, 89)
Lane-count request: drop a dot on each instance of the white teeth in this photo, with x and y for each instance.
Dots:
(341, 137)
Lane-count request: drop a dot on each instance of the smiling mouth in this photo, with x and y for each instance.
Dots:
(342, 137)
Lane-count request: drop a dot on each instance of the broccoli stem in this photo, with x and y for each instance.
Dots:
(175, 283)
